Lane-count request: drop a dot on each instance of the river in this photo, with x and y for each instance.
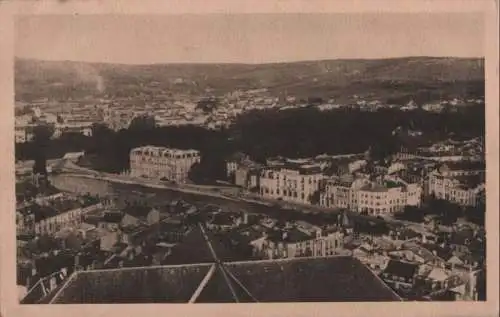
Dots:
(161, 196)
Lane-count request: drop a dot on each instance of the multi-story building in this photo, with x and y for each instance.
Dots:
(295, 243)
(162, 163)
(374, 197)
(247, 177)
(341, 192)
(461, 183)
(235, 161)
(294, 184)
(49, 221)
(463, 190)
(388, 196)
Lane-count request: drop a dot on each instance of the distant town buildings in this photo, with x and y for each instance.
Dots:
(162, 163)
(428, 261)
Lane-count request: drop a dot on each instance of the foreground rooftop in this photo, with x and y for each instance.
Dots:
(332, 279)
(215, 278)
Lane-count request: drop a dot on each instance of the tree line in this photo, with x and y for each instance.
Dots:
(261, 134)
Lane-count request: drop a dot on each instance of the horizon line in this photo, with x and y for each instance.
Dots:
(252, 63)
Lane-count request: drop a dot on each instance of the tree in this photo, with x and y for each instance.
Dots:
(476, 215)
(73, 242)
(143, 123)
(411, 213)
(450, 214)
(195, 173)
(99, 130)
(263, 134)
(41, 139)
(42, 133)
(315, 197)
(46, 243)
(376, 229)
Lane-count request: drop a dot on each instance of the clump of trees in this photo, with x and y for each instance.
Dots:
(447, 213)
(262, 134)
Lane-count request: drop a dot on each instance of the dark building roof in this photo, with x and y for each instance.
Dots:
(48, 265)
(167, 284)
(192, 249)
(286, 280)
(401, 269)
(223, 288)
(334, 279)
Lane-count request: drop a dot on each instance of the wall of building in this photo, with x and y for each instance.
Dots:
(155, 162)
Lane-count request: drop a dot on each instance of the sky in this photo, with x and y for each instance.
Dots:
(249, 38)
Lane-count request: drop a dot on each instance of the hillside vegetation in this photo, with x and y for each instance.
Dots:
(425, 78)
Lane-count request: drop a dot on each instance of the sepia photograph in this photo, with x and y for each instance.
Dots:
(251, 158)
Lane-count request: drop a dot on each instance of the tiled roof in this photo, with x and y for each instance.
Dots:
(334, 279)
(193, 249)
(299, 279)
(167, 284)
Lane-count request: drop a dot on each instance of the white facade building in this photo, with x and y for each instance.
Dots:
(342, 192)
(375, 198)
(388, 197)
(297, 184)
(455, 189)
(161, 162)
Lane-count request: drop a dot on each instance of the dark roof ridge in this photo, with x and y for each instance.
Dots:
(289, 259)
(231, 275)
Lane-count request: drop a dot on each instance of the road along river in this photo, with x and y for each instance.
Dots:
(156, 194)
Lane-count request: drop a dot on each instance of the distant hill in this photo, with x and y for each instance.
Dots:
(420, 77)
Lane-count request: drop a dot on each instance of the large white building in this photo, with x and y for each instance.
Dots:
(387, 197)
(294, 184)
(374, 197)
(162, 163)
(341, 192)
(460, 186)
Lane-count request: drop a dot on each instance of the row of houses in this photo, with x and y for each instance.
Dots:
(361, 186)
(48, 215)
(418, 265)
(25, 133)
